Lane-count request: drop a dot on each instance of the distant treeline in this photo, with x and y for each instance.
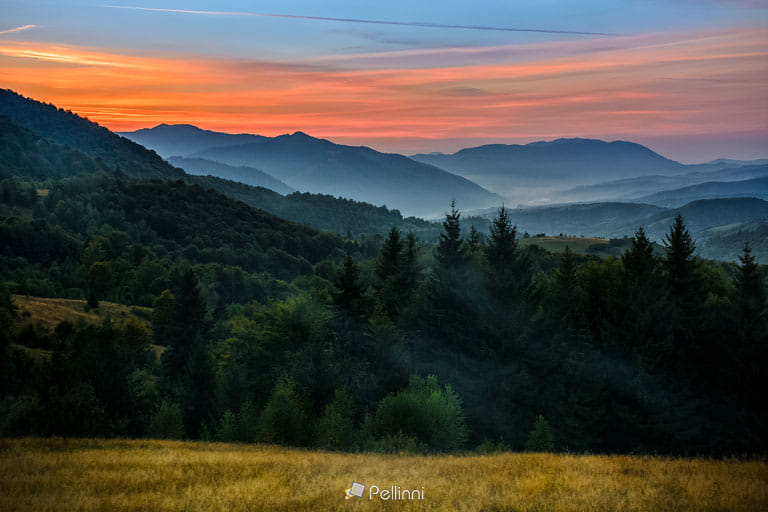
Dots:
(273, 331)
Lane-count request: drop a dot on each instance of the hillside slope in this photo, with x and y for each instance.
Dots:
(317, 165)
(757, 188)
(243, 174)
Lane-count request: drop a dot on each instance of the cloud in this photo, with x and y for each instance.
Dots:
(628, 87)
(17, 29)
(419, 24)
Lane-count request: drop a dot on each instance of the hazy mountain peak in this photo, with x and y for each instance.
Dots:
(312, 164)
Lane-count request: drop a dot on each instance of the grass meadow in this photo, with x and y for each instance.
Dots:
(84, 475)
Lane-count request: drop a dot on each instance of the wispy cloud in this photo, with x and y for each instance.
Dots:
(627, 87)
(418, 24)
(17, 29)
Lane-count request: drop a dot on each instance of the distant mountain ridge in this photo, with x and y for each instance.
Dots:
(503, 167)
(317, 165)
(41, 142)
(756, 188)
(635, 189)
(185, 139)
(243, 174)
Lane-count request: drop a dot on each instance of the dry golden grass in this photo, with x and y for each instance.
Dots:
(57, 474)
(49, 312)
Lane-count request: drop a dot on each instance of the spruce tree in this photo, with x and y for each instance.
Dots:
(350, 291)
(388, 263)
(639, 260)
(685, 295)
(642, 327)
(389, 271)
(540, 439)
(566, 302)
(450, 249)
(508, 271)
(409, 268)
(750, 296)
(679, 261)
(473, 241)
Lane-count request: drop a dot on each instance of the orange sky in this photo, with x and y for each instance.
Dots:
(672, 84)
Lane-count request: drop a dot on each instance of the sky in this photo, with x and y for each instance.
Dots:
(688, 78)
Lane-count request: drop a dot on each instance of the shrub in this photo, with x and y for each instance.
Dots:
(424, 411)
(541, 438)
(284, 419)
(227, 428)
(167, 422)
(335, 429)
(248, 423)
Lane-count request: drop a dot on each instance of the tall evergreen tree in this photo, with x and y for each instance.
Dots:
(450, 291)
(474, 240)
(450, 249)
(639, 260)
(750, 297)
(750, 357)
(409, 266)
(567, 298)
(684, 291)
(508, 269)
(388, 263)
(642, 328)
(186, 360)
(679, 261)
(389, 271)
(350, 292)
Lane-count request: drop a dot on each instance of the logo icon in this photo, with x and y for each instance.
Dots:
(356, 490)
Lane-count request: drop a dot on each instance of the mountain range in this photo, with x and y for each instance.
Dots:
(40, 142)
(541, 166)
(243, 174)
(636, 189)
(317, 165)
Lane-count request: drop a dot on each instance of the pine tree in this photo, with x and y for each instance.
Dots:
(540, 439)
(567, 299)
(409, 268)
(679, 262)
(389, 271)
(684, 292)
(749, 357)
(449, 290)
(450, 249)
(388, 263)
(750, 297)
(639, 261)
(508, 270)
(642, 328)
(473, 241)
(350, 292)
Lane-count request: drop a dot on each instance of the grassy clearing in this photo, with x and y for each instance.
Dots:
(49, 312)
(56, 474)
(576, 244)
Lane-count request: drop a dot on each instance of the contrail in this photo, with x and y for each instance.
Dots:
(358, 20)
(17, 29)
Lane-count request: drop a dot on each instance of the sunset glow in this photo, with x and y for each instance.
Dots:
(672, 83)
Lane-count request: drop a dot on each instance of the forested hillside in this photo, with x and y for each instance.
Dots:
(42, 142)
(249, 327)
(417, 347)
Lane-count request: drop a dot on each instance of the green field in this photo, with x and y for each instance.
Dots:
(576, 244)
(61, 474)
